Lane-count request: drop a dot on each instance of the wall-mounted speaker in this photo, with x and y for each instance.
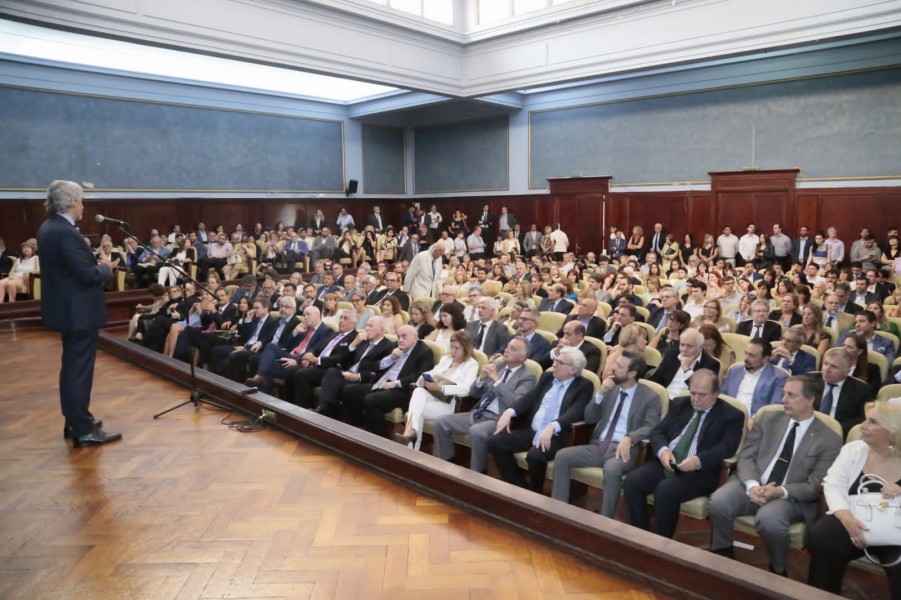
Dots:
(351, 187)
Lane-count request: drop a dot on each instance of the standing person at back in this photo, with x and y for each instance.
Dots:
(72, 303)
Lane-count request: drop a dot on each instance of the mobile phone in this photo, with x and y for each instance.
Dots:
(427, 377)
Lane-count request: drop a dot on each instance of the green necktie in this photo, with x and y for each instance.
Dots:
(681, 450)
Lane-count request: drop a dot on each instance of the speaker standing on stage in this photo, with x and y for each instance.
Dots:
(72, 303)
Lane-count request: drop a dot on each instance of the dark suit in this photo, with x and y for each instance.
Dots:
(644, 414)
(803, 363)
(848, 409)
(597, 327)
(562, 306)
(364, 361)
(495, 337)
(373, 220)
(375, 296)
(815, 453)
(360, 400)
(504, 445)
(401, 296)
(797, 255)
(718, 438)
(242, 362)
(72, 303)
(270, 365)
(655, 244)
(772, 332)
(538, 346)
(670, 365)
(592, 357)
(299, 380)
(437, 304)
(776, 315)
(325, 289)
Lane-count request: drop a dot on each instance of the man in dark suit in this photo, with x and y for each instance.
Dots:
(249, 334)
(447, 297)
(275, 359)
(278, 330)
(778, 475)
(328, 286)
(690, 443)
(586, 310)
(624, 412)
(392, 285)
(759, 325)
(843, 292)
(555, 301)
(368, 349)
(549, 411)
(485, 220)
(369, 284)
(505, 222)
(315, 362)
(375, 220)
(72, 303)
(528, 324)
(406, 251)
(487, 335)
(843, 397)
(658, 239)
(501, 385)
(801, 246)
(678, 366)
(382, 391)
(865, 325)
(789, 355)
(861, 295)
(660, 313)
(573, 337)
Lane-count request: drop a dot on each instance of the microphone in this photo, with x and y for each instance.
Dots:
(101, 219)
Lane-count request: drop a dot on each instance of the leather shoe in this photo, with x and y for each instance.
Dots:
(405, 439)
(67, 431)
(96, 437)
(727, 552)
(255, 381)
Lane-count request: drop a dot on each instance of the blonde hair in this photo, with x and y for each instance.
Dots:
(630, 334)
(888, 415)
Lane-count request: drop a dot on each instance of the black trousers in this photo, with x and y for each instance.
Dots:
(352, 399)
(242, 364)
(380, 402)
(76, 379)
(299, 383)
(503, 446)
(333, 384)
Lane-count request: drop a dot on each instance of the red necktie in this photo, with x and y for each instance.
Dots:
(303, 344)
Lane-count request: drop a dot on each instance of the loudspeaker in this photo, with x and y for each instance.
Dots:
(351, 186)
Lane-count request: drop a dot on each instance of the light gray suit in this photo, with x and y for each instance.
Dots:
(810, 461)
(517, 385)
(644, 414)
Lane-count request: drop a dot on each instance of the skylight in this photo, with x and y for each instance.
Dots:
(61, 46)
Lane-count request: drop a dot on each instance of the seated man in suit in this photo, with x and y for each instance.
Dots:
(555, 301)
(277, 330)
(834, 317)
(758, 326)
(528, 324)
(690, 443)
(392, 285)
(678, 366)
(550, 410)
(624, 412)
(573, 337)
(755, 383)
(624, 314)
(623, 291)
(586, 310)
(660, 313)
(366, 403)
(318, 358)
(844, 397)
(778, 476)
(367, 350)
(276, 359)
(502, 384)
(445, 297)
(845, 304)
(861, 295)
(865, 325)
(789, 355)
(487, 335)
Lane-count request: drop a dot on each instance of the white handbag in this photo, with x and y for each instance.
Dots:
(882, 516)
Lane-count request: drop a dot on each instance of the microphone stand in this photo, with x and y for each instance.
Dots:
(196, 396)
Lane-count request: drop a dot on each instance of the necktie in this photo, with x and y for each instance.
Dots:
(356, 367)
(486, 401)
(611, 426)
(663, 321)
(785, 457)
(392, 373)
(434, 269)
(680, 452)
(828, 399)
(478, 344)
(278, 332)
(256, 334)
(303, 343)
(756, 333)
(331, 345)
(551, 410)
(829, 321)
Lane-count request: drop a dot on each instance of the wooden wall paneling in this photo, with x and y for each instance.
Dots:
(735, 209)
(701, 212)
(769, 195)
(851, 209)
(14, 223)
(808, 212)
(224, 212)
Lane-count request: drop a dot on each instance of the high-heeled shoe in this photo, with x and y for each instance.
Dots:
(406, 440)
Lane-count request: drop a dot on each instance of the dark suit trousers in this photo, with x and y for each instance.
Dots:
(669, 494)
(241, 364)
(503, 446)
(352, 399)
(380, 402)
(333, 384)
(76, 379)
(299, 383)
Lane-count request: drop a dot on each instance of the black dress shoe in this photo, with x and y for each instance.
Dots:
(67, 431)
(727, 552)
(96, 437)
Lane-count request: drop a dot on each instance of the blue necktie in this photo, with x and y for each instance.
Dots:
(552, 408)
(828, 399)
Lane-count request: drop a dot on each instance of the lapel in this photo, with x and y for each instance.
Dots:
(713, 414)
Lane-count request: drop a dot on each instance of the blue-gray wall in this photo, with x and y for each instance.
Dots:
(462, 157)
(383, 160)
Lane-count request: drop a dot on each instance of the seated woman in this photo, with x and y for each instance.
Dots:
(838, 537)
(26, 265)
(895, 310)
(358, 299)
(716, 346)
(856, 345)
(330, 309)
(632, 338)
(450, 321)
(387, 252)
(239, 259)
(436, 391)
(180, 261)
(497, 274)
(712, 315)
(788, 314)
(147, 312)
(421, 319)
(668, 337)
(812, 330)
(366, 247)
(391, 311)
(882, 323)
(347, 248)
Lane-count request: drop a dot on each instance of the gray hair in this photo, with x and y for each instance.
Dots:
(577, 359)
(352, 315)
(760, 304)
(62, 195)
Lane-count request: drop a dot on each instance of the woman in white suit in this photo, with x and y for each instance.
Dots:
(431, 398)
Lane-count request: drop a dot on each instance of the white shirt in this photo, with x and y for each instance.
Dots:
(836, 392)
(747, 245)
(679, 384)
(560, 240)
(621, 427)
(747, 386)
(803, 426)
(727, 245)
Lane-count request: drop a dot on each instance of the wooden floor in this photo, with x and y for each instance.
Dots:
(184, 507)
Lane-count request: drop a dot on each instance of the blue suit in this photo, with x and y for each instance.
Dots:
(72, 303)
(880, 344)
(538, 346)
(270, 359)
(767, 391)
(803, 363)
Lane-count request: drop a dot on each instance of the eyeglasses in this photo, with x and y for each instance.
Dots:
(557, 361)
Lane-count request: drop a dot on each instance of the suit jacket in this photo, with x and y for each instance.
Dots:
(339, 353)
(495, 338)
(814, 455)
(590, 351)
(530, 241)
(845, 320)
(423, 277)
(318, 224)
(375, 296)
(796, 254)
(767, 391)
(644, 413)
(880, 344)
(776, 315)
(286, 339)
(718, 438)
(572, 407)
(369, 365)
(616, 248)
(803, 363)
(325, 289)
(538, 346)
(401, 296)
(564, 306)
(511, 221)
(71, 280)
(669, 366)
(597, 327)
(892, 374)
(437, 304)
(508, 392)
(405, 252)
(772, 332)
(372, 220)
(658, 246)
(322, 332)
(421, 359)
(849, 409)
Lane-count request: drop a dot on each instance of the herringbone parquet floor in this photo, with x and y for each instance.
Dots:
(186, 508)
